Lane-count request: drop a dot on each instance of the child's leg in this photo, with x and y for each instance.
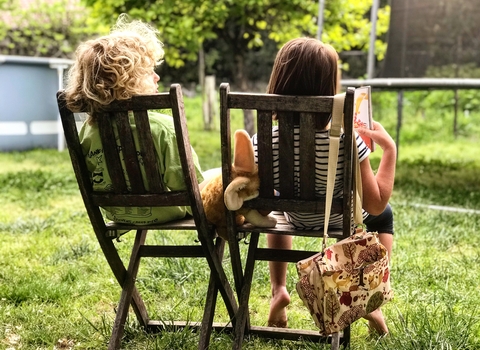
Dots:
(383, 224)
(387, 241)
(278, 280)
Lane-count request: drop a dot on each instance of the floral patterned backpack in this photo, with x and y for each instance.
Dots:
(350, 278)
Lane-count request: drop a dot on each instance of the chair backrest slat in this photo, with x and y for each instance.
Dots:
(111, 154)
(148, 153)
(307, 158)
(128, 151)
(286, 150)
(350, 148)
(265, 171)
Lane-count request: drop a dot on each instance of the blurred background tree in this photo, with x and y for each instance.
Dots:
(232, 33)
(235, 41)
(44, 28)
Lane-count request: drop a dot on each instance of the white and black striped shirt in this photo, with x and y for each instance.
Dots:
(308, 221)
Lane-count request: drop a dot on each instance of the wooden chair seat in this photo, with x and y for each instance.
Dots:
(187, 224)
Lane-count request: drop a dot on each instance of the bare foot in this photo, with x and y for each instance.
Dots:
(278, 312)
(376, 322)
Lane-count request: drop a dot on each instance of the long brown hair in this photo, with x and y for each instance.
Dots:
(306, 67)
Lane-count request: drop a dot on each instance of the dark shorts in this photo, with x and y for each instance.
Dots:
(382, 223)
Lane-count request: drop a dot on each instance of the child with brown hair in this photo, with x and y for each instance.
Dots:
(306, 66)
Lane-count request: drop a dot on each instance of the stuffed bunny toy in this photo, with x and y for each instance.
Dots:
(243, 187)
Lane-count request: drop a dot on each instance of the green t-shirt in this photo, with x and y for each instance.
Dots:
(168, 159)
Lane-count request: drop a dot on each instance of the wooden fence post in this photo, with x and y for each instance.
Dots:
(209, 102)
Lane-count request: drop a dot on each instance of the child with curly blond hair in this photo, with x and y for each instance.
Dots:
(118, 66)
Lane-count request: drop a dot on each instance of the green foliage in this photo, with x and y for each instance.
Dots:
(433, 166)
(347, 25)
(45, 29)
(5, 6)
(187, 24)
(246, 25)
(428, 116)
(468, 70)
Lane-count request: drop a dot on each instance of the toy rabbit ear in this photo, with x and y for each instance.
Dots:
(231, 197)
(244, 156)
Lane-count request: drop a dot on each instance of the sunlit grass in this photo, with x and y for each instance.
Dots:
(57, 290)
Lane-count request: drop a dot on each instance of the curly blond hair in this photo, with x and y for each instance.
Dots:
(113, 67)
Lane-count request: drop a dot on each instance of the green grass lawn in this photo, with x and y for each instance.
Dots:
(57, 292)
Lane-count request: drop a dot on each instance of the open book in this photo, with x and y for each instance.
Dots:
(363, 112)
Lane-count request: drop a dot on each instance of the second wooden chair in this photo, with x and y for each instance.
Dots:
(295, 151)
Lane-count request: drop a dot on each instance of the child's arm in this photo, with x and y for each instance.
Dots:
(377, 188)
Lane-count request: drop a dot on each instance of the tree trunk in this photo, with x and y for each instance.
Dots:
(209, 102)
(207, 113)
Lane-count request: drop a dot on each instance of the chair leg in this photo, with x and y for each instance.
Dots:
(335, 341)
(216, 269)
(210, 303)
(242, 319)
(120, 272)
(345, 341)
(207, 320)
(127, 292)
(236, 259)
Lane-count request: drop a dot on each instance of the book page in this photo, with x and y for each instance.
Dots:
(362, 114)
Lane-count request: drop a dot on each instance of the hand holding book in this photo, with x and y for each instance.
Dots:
(363, 113)
(379, 135)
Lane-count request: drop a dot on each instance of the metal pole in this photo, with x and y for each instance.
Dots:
(61, 138)
(321, 5)
(373, 37)
(455, 114)
(399, 118)
(404, 39)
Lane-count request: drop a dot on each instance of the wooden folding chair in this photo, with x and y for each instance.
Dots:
(151, 193)
(292, 111)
